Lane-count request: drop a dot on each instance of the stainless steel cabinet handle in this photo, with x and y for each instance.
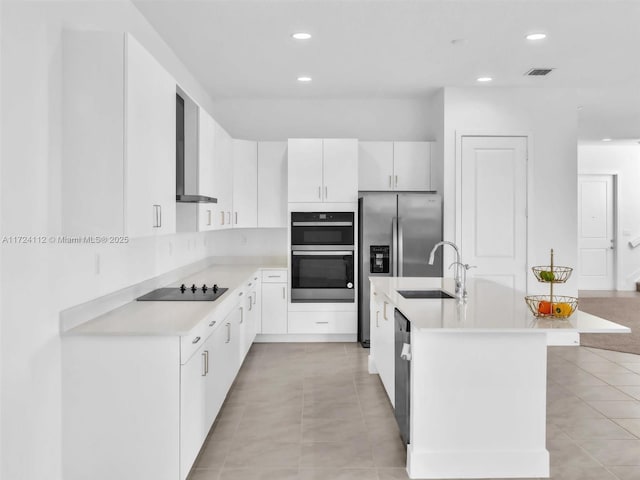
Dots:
(326, 192)
(319, 192)
(400, 249)
(283, 293)
(250, 302)
(159, 216)
(221, 218)
(229, 218)
(212, 323)
(377, 318)
(322, 323)
(396, 180)
(384, 311)
(390, 181)
(236, 218)
(228, 333)
(273, 276)
(241, 315)
(156, 216)
(195, 340)
(205, 354)
(208, 217)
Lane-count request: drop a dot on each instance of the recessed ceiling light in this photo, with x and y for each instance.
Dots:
(484, 79)
(301, 36)
(606, 139)
(536, 36)
(304, 79)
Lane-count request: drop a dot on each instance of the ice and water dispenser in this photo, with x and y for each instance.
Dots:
(379, 258)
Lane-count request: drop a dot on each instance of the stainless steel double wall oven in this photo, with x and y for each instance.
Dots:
(322, 257)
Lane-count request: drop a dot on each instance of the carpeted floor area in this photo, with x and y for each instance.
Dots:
(619, 307)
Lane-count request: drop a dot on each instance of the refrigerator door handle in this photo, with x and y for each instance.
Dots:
(394, 246)
(400, 252)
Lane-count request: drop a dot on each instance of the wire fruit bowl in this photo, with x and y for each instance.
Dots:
(551, 273)
(558, 306)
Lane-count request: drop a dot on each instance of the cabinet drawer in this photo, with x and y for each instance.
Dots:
(274, 276)
(191, 342)
(322, 322)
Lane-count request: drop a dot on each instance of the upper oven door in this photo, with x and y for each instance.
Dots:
(322, 228)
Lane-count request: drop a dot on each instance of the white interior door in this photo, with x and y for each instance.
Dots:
(493, 233)
(596, 232)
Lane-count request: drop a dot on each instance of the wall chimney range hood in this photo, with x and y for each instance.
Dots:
(181, 166)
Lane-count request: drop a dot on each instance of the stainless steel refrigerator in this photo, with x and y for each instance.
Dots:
(397, 232)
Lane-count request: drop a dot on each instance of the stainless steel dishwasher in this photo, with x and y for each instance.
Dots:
(402, 373)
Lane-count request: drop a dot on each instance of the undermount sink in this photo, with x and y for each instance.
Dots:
(424, 294)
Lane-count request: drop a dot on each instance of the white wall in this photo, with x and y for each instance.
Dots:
(549, 117)
(364, 119)
(40, 280)
(623, 160)
(254, 242)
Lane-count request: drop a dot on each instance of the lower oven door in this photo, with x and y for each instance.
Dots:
(322, 276)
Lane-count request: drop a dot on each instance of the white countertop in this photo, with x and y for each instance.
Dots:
(488, 306)
(171, 318)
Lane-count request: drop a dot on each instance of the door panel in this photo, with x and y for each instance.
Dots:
(596, 232)
(340, 170)
(493, 217)
(305, 170)
(419, 229)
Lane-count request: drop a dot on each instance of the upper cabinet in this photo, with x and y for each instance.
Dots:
(223, 178)
(322, 170)
(272, 184)
(394, 166)
(119, 138)
(245, 184)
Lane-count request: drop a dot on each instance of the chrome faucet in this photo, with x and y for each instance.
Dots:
(460, 284)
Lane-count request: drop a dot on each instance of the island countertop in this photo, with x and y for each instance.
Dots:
(488, 306)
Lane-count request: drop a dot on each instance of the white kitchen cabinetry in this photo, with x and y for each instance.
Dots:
(322, 170)
(245, 184)
(193, 406)
(382, 341)
(223, 178)
(139, 407)
(118, 163)
(274, 301)
(322, 322)
(387, 166)
(272, 184)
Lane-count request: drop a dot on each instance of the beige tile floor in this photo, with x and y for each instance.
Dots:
(312, 412)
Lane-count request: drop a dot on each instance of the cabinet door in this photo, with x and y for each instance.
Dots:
(223, 178)
(193, 425)
(245, 184)
(206, 173)
(217, 380)
(412, 165)
(150, 139)
(304, 165)
(340, 170)
(272, 184)
(274, 308)
(375, 166)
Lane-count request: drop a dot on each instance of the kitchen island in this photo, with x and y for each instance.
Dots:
(476, 393)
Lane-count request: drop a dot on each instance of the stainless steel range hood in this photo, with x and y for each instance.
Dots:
(181, 165)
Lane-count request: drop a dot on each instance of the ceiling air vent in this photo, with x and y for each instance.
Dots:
(539, 72)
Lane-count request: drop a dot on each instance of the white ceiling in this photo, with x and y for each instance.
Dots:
(402, 48)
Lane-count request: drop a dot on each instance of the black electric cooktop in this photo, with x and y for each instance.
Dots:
(184, 294)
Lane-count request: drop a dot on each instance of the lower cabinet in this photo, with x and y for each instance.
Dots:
(322, 322)
(274, 301)
(382, 342)
(140, 407)
(193, 406)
